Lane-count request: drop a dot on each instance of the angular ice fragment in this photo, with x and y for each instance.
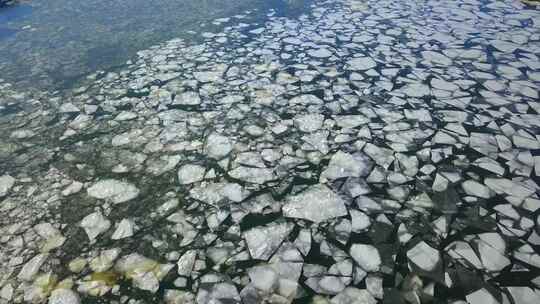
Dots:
(317, 204)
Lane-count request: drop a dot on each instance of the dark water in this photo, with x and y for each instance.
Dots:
(49, 44)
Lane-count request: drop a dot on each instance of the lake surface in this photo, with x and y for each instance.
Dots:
(325, 151)
(52, 43)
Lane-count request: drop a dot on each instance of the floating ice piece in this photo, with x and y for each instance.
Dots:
(361, 64)
(374, 285)
(306, 99)
(124, 230)
(408, 164)
(189, 174)
(472, 187)
(317, 140)
(481, 296)
(524, 295)
(230, 99)
(318, 203)
(217, 146)
(484, 143)
(253, 175)
(263, 241)
(424, 256)
(489, 164)
(355, 186)
(208, 76)
(525, 142)
(53, 238)
(367, 256)
(6, 183)
(352, 295)
(163, 164)
(175, 296)
(309, 122)
(351, 121)
(218, 193)
(217, 292)
(22, 134)
(492, 250)
(326, 284)
(345, 165)
(382, 156)
(416, 90)
(186, 263)
(189, 98)
(508, 187)
(6, 292)
(144, 272)
(319, 53)
(303, 241)
(64, 296)
(462, 250)
(359, 221)
(95, 224)
(421, 200)
(104, 261)
(31, 268)
(529, 258)
(443, 85)
(264, 278)
(436, 58)
(125, 115)
(114, 190)
(252, 159)
(73, 188)
(68, 107)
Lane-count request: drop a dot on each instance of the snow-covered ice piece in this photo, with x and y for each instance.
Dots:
(367, 256)
(317, 203)
(114, 190)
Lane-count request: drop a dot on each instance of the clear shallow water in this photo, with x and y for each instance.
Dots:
(362, 152)
(49, 44)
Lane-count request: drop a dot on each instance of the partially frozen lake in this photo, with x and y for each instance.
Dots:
(342, 152)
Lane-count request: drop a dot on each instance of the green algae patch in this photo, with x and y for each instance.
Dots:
(110, 278)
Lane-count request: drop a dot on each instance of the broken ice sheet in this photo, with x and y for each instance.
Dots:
(319, 157)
